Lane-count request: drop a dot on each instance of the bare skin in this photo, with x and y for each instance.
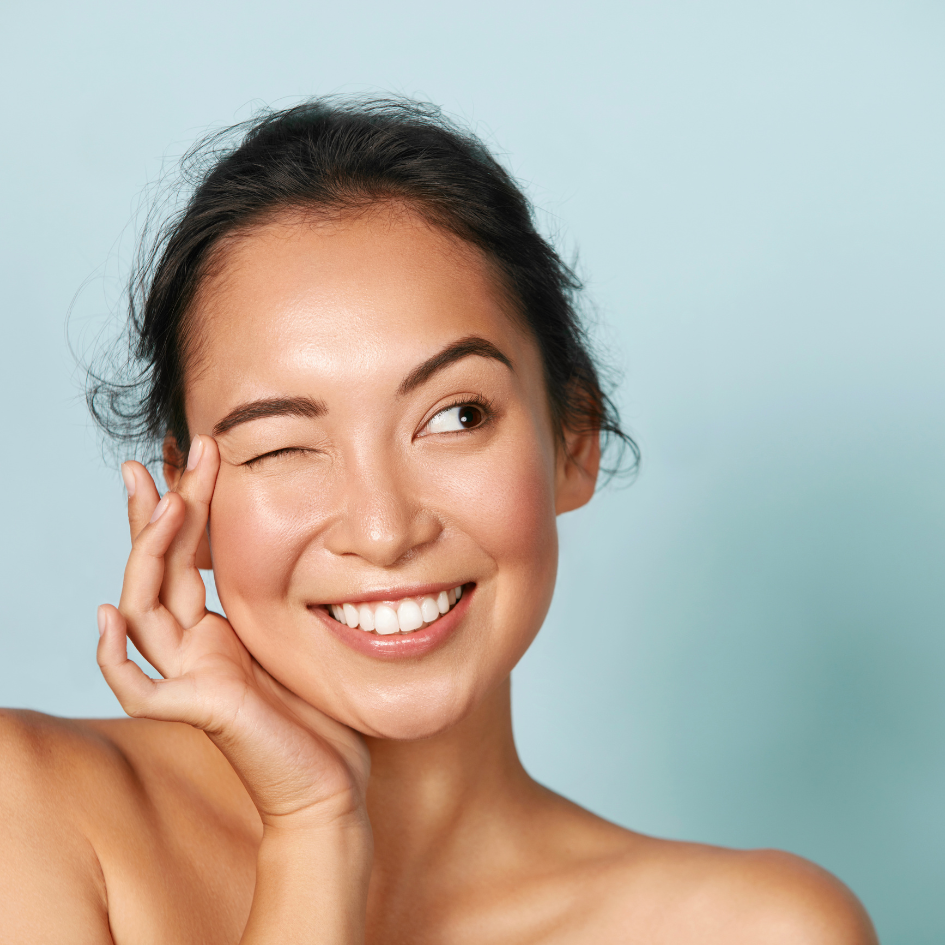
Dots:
(281, 784)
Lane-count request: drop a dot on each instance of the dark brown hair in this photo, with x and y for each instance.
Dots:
(335, 156)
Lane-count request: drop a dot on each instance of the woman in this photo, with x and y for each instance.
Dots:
(374, 398)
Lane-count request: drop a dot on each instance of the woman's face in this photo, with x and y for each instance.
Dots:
(385, 435)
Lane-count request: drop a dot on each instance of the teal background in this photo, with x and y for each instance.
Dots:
(747, 646)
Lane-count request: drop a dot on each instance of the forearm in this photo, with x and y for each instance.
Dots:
(311, 886)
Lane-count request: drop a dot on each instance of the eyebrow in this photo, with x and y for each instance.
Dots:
(307, 407)
(273, 407)
(464, 348)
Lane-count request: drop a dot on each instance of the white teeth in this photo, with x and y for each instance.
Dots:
(429, 610)
(385, 620)
(366, 617)
(405, 616)
(409, 616)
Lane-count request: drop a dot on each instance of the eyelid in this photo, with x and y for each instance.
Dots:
(476, 400)
(282, 451)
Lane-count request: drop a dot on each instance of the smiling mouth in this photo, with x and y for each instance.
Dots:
(399, 616)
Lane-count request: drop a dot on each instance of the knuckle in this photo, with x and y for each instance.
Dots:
(130, 611)
(132, 708)
(134, 704)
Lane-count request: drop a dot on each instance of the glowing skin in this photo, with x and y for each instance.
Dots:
(385, 551)
(377, 501)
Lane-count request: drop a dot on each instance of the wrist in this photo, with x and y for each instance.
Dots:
(312, 882)
(350, 840)
(342, 815)
(320, 835)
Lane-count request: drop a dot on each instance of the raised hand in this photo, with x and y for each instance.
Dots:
(297, 763)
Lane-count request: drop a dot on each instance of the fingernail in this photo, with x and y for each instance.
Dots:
(101, 619)
(129, 478)
(196, 451)
(159, 509)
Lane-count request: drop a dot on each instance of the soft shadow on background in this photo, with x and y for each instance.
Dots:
(747, 646)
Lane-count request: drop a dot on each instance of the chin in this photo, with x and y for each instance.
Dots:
(404, 714)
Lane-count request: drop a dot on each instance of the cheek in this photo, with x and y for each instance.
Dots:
(257, 531)
(498, 504)
(507, 504)
(503, 503)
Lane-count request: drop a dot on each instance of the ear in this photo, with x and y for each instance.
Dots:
(174, 463)
(578, 466)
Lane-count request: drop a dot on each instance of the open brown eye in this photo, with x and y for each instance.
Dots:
(460, 417)
(470, 415)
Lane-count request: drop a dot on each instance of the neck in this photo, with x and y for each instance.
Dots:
(425, 796)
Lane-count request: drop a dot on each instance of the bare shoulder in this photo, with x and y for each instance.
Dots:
(705, 894)
(58, 767)
(80, 802)
(45, 851)
(620, 886)
(776, 897)
(47, 762)
(97, 775)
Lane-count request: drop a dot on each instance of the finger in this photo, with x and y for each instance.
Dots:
(168, 700)
(183, 591)
(151, 626)
(142, 495)
(124, 677)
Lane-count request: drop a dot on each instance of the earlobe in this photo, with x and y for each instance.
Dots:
(578, 466)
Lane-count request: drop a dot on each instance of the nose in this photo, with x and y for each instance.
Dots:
(379, 517)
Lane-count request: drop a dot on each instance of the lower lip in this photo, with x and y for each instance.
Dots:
(399, 646)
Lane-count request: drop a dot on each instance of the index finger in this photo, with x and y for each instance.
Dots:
(143, 496)
(184, 592)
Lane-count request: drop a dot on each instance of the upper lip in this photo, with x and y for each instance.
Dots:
(394, 593)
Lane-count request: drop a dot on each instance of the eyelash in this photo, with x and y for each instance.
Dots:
(476, 400)
(285, 451)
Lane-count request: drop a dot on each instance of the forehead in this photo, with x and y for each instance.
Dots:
(360, 295)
